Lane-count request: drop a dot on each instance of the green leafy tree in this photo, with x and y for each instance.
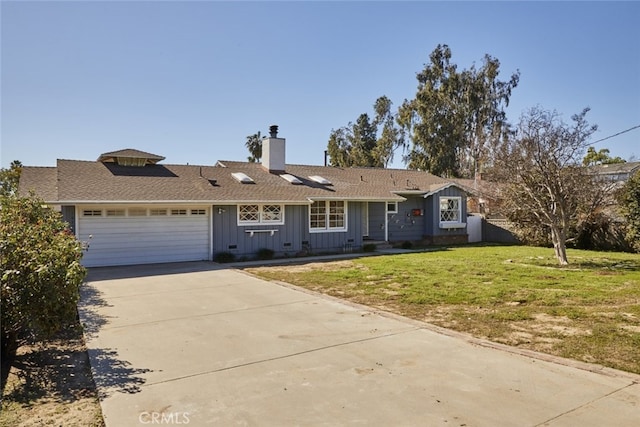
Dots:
(41, 271)
(457, 116)
(366, 142)
(254, 145)
(600, 157)
(547, 191)
(629, 200)
(9, 179)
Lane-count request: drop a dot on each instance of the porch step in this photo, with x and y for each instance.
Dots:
(383, 245)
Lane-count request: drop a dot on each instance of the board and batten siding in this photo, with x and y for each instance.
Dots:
(404, 226)
(286, 240)
(128, 240)
(432, 204)
(376, 220)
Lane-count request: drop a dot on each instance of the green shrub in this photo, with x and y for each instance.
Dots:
(369, 247)
(265, 253)
(224, 257)
(41, 271)
(407, 245)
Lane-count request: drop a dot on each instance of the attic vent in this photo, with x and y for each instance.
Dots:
(292, 179)
(320, 180)
(242, 177)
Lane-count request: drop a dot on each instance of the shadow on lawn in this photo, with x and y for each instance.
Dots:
(607, 264)
(58, 367)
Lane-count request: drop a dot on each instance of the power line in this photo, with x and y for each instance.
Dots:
(619, 133)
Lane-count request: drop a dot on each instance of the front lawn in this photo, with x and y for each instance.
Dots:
(517, 295)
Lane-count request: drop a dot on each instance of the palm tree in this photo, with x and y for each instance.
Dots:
(254, 145)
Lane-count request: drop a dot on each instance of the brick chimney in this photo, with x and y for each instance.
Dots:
(273, 152)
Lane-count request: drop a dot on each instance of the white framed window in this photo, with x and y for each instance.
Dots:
(178, 212)
(260, 214)
(392, 207)
(137, 212)
(92, 212)
(451, 212)
(198, 211)
(115, 212)
(328, 215)
(157, 212)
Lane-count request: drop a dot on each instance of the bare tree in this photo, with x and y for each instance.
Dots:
(547, 189)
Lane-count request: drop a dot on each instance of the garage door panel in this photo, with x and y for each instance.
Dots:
(143, 240)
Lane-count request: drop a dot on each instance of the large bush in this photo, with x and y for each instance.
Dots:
(41, 271)
(629, 199)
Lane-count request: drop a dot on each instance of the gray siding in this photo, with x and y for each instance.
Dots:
(288, 239)
(376, 220)
(433, 204)
(404, 225)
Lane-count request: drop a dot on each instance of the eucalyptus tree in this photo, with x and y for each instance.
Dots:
(456, 116)
(600, 157)
(9, 178)
(367, 142)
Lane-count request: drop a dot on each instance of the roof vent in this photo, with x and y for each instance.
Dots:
(292, 179)
(242, 178)
(320, 180)
(273, 131)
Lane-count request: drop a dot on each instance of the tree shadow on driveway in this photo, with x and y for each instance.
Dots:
(111, 373)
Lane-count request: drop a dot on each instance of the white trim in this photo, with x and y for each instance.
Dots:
(450, 224)
(444, 187)
(251, 232)
(394, 210)
(327, 228)
(261, 219)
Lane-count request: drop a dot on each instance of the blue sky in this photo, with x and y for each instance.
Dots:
(190, 80)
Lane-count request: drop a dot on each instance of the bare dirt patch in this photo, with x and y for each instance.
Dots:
(51, 384)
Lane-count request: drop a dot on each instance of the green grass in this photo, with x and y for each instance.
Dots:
(589, 310)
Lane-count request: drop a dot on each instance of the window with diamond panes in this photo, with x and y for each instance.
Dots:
(271, 213)
(450, 209)
(248, 213)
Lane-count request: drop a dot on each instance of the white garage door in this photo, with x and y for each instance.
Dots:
(143, 235)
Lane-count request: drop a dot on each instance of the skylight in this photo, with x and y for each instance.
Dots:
(320, 180)
(292, 179)
(242, 177)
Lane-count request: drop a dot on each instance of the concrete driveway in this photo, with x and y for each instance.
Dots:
(197, 344)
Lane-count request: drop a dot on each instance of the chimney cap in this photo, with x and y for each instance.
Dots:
(273, 131)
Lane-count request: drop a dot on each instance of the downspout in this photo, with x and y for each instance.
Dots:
(76, 221)
(386, 222)
(211, 233)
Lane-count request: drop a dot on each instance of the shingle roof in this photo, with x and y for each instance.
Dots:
(41, 180)
(616, 168)
(86, 181)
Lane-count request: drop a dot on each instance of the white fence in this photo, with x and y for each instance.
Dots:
(474, 228)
